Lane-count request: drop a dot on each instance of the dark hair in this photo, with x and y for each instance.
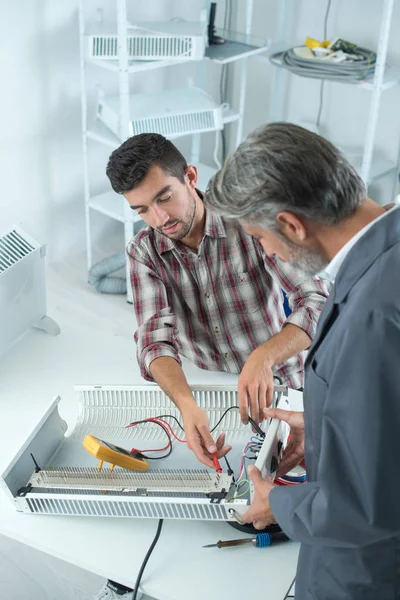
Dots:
(129, 164)
(282, 166)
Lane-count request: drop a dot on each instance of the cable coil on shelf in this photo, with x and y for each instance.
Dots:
(300, 61)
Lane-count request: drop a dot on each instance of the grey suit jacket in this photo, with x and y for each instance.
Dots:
(348, 515)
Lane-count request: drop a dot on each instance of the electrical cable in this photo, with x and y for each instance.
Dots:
(350, 72)
(169, 446)
(322, 86)
(146, 559)
(157, 420)
(223, 82)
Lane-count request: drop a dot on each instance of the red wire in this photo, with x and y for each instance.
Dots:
(155, 420)
(152, 450)
(169, 427)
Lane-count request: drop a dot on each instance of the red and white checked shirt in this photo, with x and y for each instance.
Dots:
(216, 306)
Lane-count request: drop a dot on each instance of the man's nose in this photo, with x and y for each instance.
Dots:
(160, 216)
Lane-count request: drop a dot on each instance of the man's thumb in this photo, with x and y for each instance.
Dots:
(277, 413)
(208, 440)
(254, 474)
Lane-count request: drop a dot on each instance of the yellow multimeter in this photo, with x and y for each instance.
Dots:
(114, 455)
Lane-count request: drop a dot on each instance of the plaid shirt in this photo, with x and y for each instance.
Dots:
(216, 306)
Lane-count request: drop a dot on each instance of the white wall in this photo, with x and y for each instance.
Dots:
(39, 136)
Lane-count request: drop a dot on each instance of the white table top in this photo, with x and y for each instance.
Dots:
(96, 347)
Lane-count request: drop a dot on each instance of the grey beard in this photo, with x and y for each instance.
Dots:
(308, 261)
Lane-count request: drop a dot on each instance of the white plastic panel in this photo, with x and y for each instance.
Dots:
(149, 508)
(150, 41)
(104, 411)
(14, 246)
(171, 113)
(22, 285)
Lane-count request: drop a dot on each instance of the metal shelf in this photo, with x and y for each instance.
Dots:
(115, 206)
(236, 47)
(391, 78)
(136, 66)
(230, 115)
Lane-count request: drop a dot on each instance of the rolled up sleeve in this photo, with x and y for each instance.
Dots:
(156, 333)
(306, 295)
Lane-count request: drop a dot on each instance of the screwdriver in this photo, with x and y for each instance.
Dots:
(260, 541)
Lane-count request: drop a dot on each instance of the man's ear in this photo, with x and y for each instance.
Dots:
(292, 226)
(191, 175)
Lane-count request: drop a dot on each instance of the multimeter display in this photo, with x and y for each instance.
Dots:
(117, 448)
(114, 455)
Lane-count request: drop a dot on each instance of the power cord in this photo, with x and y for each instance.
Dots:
(146, 559)
(321, 89)
(223, 82)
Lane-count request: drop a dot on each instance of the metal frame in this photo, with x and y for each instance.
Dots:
(377, 86)
(104, 203)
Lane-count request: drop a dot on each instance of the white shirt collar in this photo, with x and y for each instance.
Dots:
(331, 271)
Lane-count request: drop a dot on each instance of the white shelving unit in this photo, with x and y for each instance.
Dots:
(125, 49)
(370, 167)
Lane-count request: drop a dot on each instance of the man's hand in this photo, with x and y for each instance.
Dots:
(259, 513)
(198, 436)
(255, 386)
(294, 451)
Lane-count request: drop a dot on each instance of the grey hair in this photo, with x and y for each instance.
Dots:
(284, 167)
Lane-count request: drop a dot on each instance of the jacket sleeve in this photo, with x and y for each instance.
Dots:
(156, 332)
(306, 295)
(354, 501)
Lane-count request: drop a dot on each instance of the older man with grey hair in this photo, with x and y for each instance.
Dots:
(299, 196)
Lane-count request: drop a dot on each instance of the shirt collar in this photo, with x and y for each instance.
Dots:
(214, 227)
(333, 268)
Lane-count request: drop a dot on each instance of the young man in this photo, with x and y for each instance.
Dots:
(299, 197)
(204, 289)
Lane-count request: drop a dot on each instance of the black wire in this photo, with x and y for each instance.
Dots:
(146, 558)
(227, 410)
(321, 102)
(230, 470)
(171, 417)
(166, 433)
(321, 89)
(253, 423)
(223, 82)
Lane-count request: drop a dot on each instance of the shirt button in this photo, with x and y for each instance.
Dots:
(207, 294)
(241, 278)
(217, 330)
(227, 355)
